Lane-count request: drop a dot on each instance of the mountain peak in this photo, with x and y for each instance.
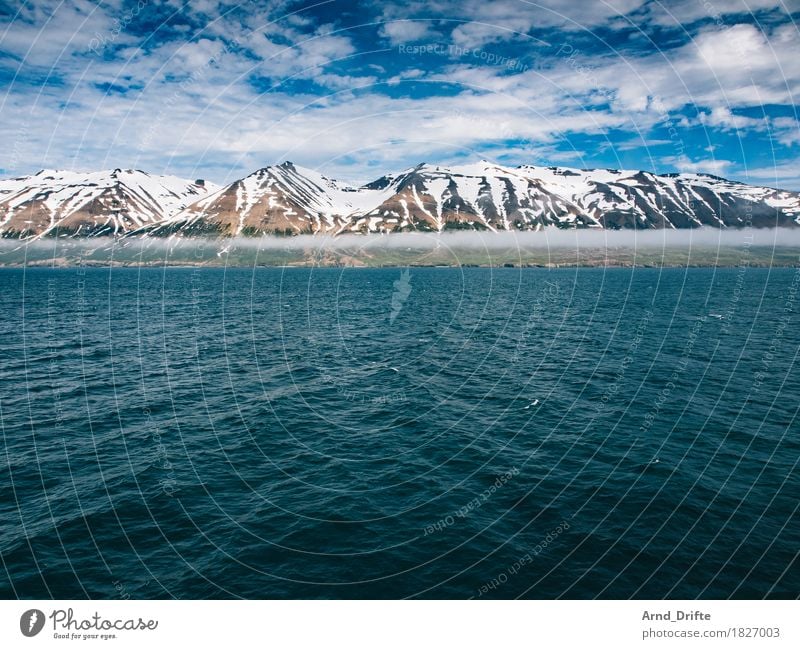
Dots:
(95, 203)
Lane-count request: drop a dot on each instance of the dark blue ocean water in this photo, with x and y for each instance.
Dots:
(449, 433)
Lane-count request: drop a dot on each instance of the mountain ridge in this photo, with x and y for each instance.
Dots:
(289, 199)
(96, 203)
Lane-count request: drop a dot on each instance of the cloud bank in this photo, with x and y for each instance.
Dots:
(216, 89)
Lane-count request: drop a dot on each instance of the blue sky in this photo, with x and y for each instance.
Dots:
(218, 89)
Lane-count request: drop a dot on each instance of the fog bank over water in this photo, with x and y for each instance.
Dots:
(703, 247)
(548, 238)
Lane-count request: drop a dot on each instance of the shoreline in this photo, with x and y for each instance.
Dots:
(772, 249)
(504, 266)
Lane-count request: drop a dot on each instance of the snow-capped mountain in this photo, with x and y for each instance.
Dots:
(479, 196)
(639, 199)
(282, 199)
(287, 199)
(67, 203)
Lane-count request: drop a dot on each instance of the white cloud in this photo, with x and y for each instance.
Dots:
(45, 34)
(722, 117)
(684, 12)
(511, 19)
(712, 166)
(407, 31)
(786, 130)
(785, 174)
(734, 67)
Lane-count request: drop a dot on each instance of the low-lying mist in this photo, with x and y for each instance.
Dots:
(547, 238)
(551, 246)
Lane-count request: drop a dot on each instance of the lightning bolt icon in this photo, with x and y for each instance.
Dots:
(32, 621)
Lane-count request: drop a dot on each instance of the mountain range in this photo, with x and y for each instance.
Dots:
(287, 199)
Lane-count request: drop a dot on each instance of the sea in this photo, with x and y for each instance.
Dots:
(435, 433)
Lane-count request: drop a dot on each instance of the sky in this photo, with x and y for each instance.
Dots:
(359, 88)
